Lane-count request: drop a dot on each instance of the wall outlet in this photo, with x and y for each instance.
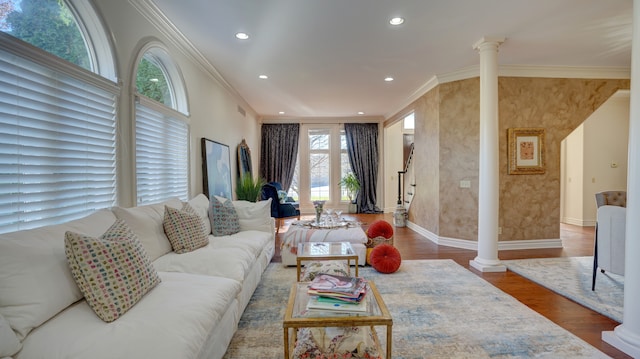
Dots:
(499, 230)
(465, 184)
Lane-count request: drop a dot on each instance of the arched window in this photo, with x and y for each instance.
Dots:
(57, 146)
(162, 129)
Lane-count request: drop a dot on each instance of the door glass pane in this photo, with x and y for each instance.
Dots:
(319, 139)
(320, 164)
(320, 174)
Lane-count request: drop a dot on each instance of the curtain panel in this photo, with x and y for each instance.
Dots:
(278, 152)
(362, 147)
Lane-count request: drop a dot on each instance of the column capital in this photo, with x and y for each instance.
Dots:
(485, 40)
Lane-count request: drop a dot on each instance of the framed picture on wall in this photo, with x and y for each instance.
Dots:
(216, 169)
(526, 150)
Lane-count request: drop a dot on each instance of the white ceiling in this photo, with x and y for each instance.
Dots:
(329, 58)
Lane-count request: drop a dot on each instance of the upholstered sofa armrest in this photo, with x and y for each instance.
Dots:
(611, 237)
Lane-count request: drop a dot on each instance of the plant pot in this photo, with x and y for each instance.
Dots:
(353, 208)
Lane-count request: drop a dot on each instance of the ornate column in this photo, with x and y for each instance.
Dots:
(489, 181)
(626, 336)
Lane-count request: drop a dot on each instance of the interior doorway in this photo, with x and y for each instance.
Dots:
(593, 159)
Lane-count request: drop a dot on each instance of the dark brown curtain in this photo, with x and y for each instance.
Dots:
(362, 147)
(279, 150)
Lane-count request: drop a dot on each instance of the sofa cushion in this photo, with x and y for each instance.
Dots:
(113, 271)
(146, 223)
(35, 280)
(232, 263)
(200, 205)
(254, 216)
(171, 321)
(223, 216)
(252, 242)
(184, 229)
(9, 343)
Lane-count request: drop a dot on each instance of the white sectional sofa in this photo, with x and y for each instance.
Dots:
(192, 312)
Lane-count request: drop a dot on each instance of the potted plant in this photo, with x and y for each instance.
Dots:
(248, 188)
(351, 184)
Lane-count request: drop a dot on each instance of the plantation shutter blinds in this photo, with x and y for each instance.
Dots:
(57, 144)
(162, 152)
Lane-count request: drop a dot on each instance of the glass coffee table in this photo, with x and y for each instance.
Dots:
(318, 251)
(297, 316)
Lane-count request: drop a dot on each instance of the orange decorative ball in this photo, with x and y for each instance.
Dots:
(380, 228)
(385, 258)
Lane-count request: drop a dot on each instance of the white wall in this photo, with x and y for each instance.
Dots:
(606, 139)
(573, 176)
(392, 159)
(595, 160)
(213, 107)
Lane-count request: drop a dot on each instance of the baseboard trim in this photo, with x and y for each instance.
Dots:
(579, 222)
(473, 245)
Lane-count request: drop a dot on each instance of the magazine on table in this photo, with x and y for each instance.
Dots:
(342, 287)
(327, 304)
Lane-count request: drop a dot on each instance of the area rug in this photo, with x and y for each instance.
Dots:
(439, 309)
(571, 277)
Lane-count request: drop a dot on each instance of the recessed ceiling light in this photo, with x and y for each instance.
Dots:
(281, 112)
(264, 77)
(242, 36)
(360, 113)
(396, 21)
(388, 79)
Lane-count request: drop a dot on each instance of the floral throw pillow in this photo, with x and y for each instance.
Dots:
(113, 272)
(184, 228)
(224, 218)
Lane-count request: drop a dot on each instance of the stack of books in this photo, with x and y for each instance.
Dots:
(331, 292)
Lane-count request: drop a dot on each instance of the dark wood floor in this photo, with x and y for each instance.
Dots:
(577, 241)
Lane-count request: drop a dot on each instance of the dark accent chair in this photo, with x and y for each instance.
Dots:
(279, 211)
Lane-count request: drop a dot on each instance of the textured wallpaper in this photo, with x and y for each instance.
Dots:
(447, 142)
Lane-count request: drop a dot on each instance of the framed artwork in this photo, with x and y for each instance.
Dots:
(526, 150)
(216, 169)
(244, 159)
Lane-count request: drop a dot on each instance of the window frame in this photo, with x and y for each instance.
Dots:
(101, 77)
(177, 112)
(335, 192)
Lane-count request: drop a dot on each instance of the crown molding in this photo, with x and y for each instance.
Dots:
(572, 72)
(162, 23)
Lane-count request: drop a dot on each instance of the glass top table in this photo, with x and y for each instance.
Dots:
(298, 316)
(317, 251)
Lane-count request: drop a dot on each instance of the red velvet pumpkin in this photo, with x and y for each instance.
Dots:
(380, 228)
(385, 258)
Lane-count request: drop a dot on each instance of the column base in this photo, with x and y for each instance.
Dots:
(629, 344)
(487, 266)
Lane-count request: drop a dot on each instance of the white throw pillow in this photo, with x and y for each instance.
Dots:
(146, 222)
(35, 280)
(254, 216)
(200, 205)
(9, 343)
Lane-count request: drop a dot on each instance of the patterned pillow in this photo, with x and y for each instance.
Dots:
(224, 218)
(113, 272)
(184, 229)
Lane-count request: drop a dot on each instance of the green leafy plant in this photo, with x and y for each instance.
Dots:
(351, 184)
(248, 188)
